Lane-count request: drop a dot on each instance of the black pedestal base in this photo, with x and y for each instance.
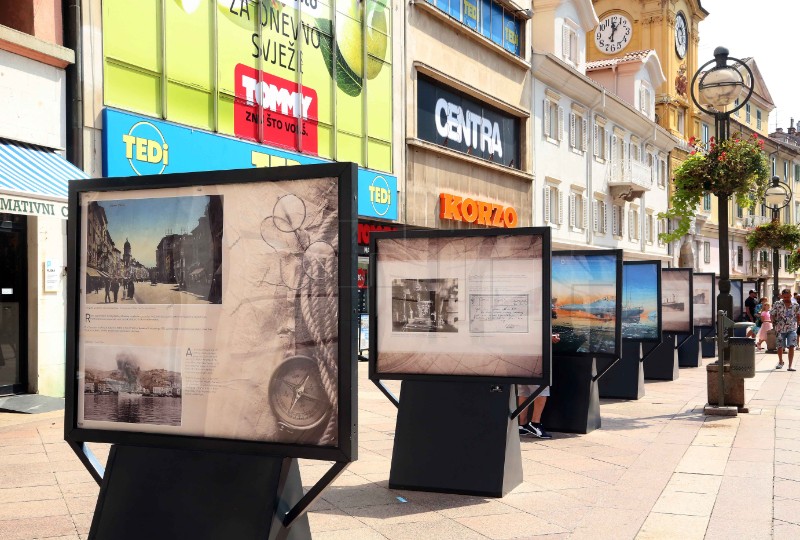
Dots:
(708, 348)
(625, 380)
(159, 493)
(574, 402)
(456, 438)
(689, 351)
(661, 363)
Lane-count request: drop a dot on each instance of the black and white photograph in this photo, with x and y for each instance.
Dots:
(676, 300)
(425, 305)
(154, 251)
(132, 385)
(703, 299)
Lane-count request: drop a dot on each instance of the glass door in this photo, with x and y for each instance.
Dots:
(13, 303)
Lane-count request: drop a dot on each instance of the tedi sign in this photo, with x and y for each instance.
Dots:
(457, 208)
(459, 122)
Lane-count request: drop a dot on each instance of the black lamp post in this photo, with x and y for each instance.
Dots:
(777, 196)
(715, 91)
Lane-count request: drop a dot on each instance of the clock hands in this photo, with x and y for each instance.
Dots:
(613, 30)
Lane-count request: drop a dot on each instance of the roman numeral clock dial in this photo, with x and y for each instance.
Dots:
(613, 33)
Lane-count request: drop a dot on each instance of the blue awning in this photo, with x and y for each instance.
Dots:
(26, 168)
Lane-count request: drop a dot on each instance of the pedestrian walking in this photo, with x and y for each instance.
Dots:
(534, 425)
(131, 289)
(785, 316)
(107, 285)
(115, 288)
(766, 325)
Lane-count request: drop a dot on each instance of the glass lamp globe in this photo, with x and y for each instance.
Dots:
(720, 87)
(775, 196)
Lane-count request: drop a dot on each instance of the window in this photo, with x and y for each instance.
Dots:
(758, 118)
(786, 171)
(747, 113)
(599, 144)
(553, 120)
(786, 260)
(662, 172)
(633, 224)
(706, 252)
(797, 212)
(635, 150)
(569, 42)
(787, 214)
(553, 206)
(705, 133)
(797, 173)
(617, 219)
(600, 224)
(649, 229)
(578, 217)
(739, 211)
(644, 98)
(707, 202)
(681, 121)
(739, 256)
(774, 166)
(487, 17)
(735, 105)
(577, 131)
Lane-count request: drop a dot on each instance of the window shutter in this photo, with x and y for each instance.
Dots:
(595, 216)
(547, 216)
(621, 220)
(595, 138)
(642, 104)
(605, 216)
(614, 150)
(585, 133)
(565, 42)
(572, 142)
(614, 221)
(547, 118)
(608, 146)
(585, 208)
(572, 210)
(631, 232)
(560, 207)
(561, 123)
(648, 228)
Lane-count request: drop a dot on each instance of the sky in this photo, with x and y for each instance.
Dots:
(766, 31)
(144, 222)
(639, 285)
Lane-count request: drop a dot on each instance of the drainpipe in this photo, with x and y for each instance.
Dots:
(71, 15)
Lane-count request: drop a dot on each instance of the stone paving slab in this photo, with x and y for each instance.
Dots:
(658, 468)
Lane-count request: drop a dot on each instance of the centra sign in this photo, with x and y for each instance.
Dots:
(456, 208)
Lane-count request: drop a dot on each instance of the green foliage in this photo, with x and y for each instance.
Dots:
(794, 261)
(774, 235)
(736, 168)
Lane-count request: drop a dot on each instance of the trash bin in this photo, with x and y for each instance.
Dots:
(772, 340)
(742, 357)
(740, 328)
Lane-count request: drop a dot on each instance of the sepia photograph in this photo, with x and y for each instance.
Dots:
(703, 299)
(584, 303)
(425, 305)
(640, 313)
(676, 300)
(134, 385)
(154, 251)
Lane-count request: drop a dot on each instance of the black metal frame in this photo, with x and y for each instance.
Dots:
(618, 312)
(347, 440)
(21, 228)
(376, 375)
(658, 297)
(737, 316)
(689, 299)
(713, 298)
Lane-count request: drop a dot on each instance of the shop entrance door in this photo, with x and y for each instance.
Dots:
(13, 304)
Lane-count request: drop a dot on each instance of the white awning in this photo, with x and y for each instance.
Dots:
(26, 169)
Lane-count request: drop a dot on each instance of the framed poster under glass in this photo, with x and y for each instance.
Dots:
(587, 302)
(460, 305)
(704, 299)
(737, 291)
(676, 300)
(214, 311)
(641, 305)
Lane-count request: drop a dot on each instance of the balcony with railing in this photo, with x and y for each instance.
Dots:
(629, 179)
(754, 221)
(760, 268)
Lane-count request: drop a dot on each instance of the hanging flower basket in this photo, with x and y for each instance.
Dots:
(774, 235)
(736, 168)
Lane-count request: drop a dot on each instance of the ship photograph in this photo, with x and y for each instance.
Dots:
(676, 300)
(703, 299)
(584, 303)
(135, 385)
(640, 301)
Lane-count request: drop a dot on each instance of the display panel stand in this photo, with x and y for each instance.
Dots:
(159, 493)
(626, 379)
(708, 347)
(456, 438)
(574, 402)
(661, 361)
(689, 350)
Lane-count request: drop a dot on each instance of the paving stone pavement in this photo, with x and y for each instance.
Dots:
(658, 468)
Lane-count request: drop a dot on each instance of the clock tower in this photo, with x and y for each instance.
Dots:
(669, 27)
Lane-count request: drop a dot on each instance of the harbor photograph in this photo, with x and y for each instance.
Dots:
(584, 303)
(640, 301)
(676, 300)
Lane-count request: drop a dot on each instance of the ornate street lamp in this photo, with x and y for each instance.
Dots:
(777, 196)
(715, 91)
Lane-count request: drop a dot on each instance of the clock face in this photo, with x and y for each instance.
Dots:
(681, 35)
(613, 34)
